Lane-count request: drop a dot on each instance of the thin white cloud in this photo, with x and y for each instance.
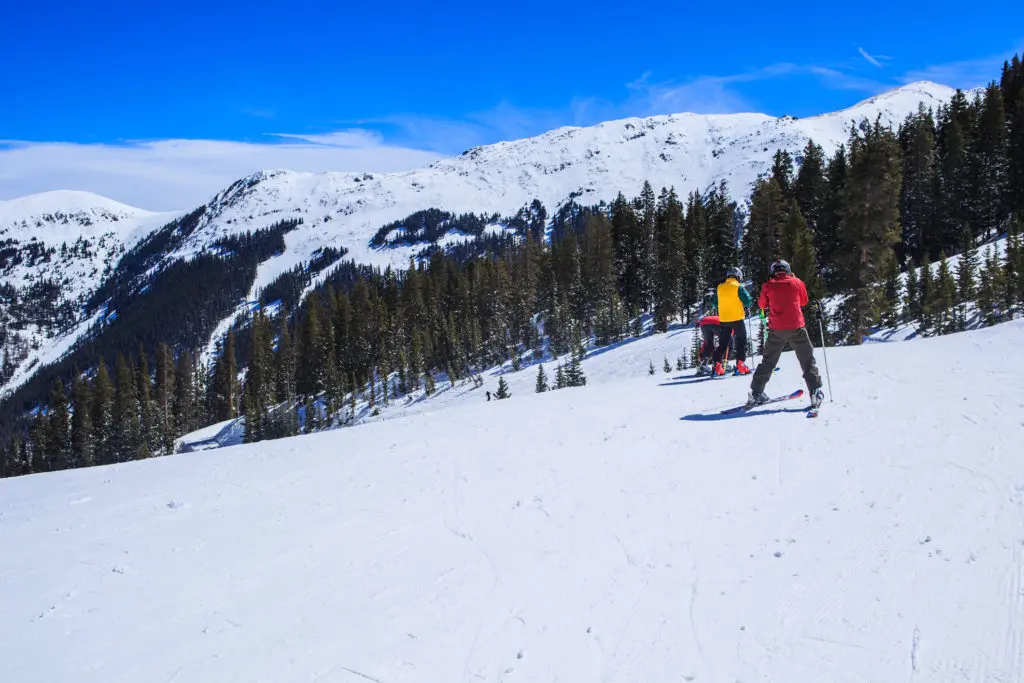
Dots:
(844, 80)
(872, 60)
(353, 138)
(182, 174)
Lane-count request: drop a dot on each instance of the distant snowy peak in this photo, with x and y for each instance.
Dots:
(66, 215)
(931, 95)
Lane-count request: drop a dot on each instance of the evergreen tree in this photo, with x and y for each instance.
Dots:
(891, 314)
(224, 384)
(765, 229)
(697, 252)
(647, 247)
(82, 454)
(782, 173)
(124, 419)
(184, 405)
(912, 298)
(671, 269)
(926, 321)
(990, 164)
(723, 221)
(987, 293)
(573, 374)
(870, 223)
(260, 380)
(1012, 273)
(945, 291)
(542, 380)
(630, 253)
(827, 231)
(309, 416)
(59, 437)
(966, 273)
(918, 195)
(102, 416)
(811, 187)
(38, 458)
(650, 370)
(502, 389)
(680, 364)
(666, 367)
(146, 439)
(802, 253)
(559, 377)
(429, 387)
(955, 126)
(310, 361)
(1016, 157)
(164, 388)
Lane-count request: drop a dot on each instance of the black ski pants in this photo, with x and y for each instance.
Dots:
(712, 335)
(739, 330)
(800, 342)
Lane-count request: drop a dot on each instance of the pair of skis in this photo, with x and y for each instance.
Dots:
(813, 411)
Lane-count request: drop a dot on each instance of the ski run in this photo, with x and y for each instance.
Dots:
(624, 531)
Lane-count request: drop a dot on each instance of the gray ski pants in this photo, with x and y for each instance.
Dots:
(800, 342)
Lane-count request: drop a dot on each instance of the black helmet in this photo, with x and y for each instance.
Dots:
(734, 272)
(781, 265)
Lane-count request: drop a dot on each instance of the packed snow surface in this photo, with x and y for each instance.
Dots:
(623, 531)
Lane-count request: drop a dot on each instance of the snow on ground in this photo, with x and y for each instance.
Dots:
(623, 531)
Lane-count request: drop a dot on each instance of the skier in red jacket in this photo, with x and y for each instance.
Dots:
(784, 296)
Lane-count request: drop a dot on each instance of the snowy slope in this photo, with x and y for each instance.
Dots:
(618, 532)
(687, 151)
(71, 239)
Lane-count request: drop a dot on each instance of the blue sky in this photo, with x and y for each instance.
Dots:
(423, 79)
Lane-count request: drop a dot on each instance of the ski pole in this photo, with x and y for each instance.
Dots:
(750, 339)
(821, 330)
(764, 325)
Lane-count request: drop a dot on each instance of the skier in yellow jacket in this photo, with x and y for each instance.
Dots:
(732, 301)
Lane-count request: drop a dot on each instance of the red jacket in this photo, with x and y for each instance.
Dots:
(710, 320)
(784, 296)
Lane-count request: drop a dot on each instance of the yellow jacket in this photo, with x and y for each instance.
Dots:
(732, 300)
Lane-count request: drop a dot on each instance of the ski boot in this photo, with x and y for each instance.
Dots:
(704, 369)
(817, 398)
(741, 368)
(760, 398)
(719, 370)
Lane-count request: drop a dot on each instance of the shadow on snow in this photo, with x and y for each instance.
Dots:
(714, 417)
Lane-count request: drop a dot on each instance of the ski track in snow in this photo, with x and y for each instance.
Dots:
(579, 535)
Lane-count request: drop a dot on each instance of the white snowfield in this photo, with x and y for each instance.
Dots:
(619, 532)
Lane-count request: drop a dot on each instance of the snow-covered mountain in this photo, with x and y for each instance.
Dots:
(55, 248)
(687, 151)
(344, 210)
(619, 538)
